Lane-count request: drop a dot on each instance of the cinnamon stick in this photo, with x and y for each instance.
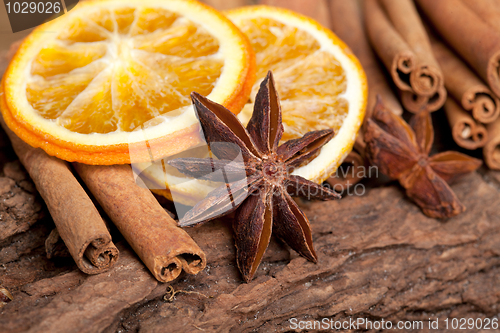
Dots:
(427, 77)
(75, 216)
(399, 38)
(466, 132)
(164, 248)
(392, 49)
(347, 23)
(487, 10)
(465, 87)
(416, 103)
(468, 35)
(491, 150)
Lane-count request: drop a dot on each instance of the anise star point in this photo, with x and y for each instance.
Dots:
(256, 171)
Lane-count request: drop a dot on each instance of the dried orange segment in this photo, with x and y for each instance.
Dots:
(150, 20)
(184, 40)
(310, 90)
(103, 18)
(313, 113)
(83, 30)
(184, 73)
(124, 18)
(113, 66)
(60, 59)
(316, 76)
(93, 103)
(51, 96)
(277, 45)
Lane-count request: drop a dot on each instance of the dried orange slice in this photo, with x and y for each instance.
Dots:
(94, 84)
(320, 83)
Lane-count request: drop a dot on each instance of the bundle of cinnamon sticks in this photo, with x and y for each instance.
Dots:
(436, 53)
(398, 36)
(469, 54)
(164, 247)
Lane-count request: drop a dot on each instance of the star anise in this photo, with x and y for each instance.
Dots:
(257, 175)
(402, 152)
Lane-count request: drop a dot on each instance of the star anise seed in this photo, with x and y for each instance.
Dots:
(401, 152)
(256, 172)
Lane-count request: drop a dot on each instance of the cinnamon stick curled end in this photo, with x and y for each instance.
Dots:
(168, 268)
(77, 220)
(402, 67)
(476, 41)
(418, 103)
(426, 80)
(465, 86)
(98, 255)
(465, 131)
(485, 107)
(394, 52)
(193, 263)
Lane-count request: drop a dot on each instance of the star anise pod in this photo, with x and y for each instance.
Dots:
(401, 152)
(258, 184)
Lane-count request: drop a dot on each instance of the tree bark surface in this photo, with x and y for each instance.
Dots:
(379, 257)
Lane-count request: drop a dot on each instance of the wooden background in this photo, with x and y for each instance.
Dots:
(379, 258)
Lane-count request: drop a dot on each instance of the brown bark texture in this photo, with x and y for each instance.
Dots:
(379, 257)
(18, 202)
